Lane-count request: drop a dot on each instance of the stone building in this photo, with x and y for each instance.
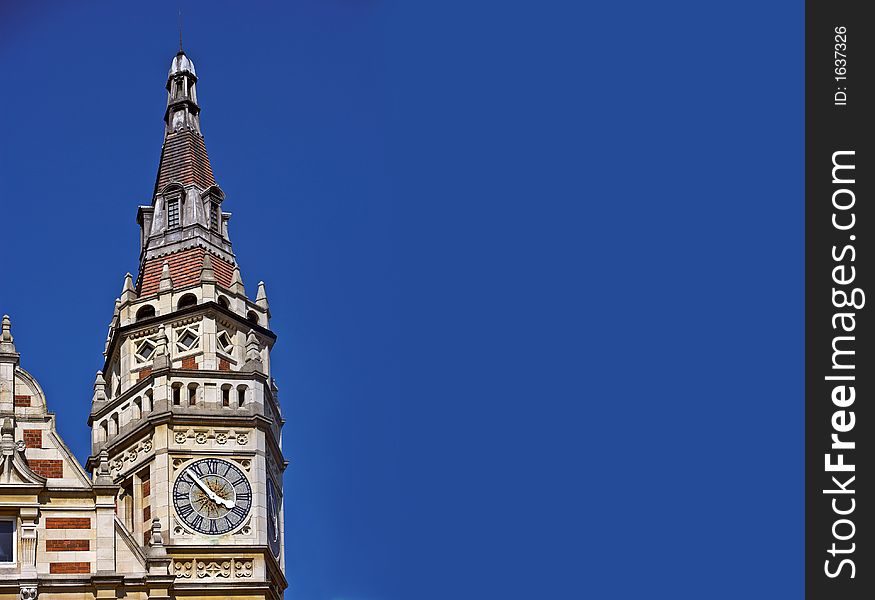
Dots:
(182, 493)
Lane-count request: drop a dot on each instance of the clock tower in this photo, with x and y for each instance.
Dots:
(185, 418)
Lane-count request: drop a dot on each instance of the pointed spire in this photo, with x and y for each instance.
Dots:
(253, 354)
(99, 389)
(166, 283)
(6, 338)
(237, 282)
(207, 274)
(128, 292)
(261, 298)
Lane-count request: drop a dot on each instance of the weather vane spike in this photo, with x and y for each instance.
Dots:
(180, 30)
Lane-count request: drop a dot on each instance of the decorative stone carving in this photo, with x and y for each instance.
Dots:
(130, 454)
(223, 568)
(28, 593)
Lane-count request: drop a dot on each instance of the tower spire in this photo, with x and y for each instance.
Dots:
(180, 30)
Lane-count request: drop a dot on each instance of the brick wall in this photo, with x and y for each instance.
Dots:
(67, 545)
(21, 401)
(189, 362)
(147, 513)
(224, 365)
(33, 438)
(47, 468)
(144, 373)
(70, 567)
(68, 523)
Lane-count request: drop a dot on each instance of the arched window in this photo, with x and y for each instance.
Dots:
(223, 302)
(252, 317)
(192, 394)
(147, 401)
(104, 431)
(241, 396)
(176, 393)
(145, 312)
(226, 395)
(186, 300)
(137, 409)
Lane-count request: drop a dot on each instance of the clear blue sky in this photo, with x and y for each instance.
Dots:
(294, 105)
(536, 270)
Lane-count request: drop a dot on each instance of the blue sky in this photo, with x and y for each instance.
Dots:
(294, 104)
(536, 270)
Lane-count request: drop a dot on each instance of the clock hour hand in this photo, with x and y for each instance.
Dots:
(210, 493)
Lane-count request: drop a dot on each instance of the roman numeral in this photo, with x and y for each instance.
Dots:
(196, 522)
(213, 467)
(213, 527)
(239, 511)
(184, 511)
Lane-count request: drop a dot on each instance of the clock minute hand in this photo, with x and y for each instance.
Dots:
(210, 493)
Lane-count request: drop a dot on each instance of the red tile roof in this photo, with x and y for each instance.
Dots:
(185, 269)
(184, 159)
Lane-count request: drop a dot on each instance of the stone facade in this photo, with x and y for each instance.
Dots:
(182, 492)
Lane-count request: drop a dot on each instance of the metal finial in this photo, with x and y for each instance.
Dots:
(180, 30)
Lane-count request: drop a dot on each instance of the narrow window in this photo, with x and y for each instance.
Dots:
(214, 217)
(241, 397)
(176, 395)
(7, 541)
(192, 396)
(173, 213)
(226, 396)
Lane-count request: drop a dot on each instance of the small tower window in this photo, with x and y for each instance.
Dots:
(241, 396)
(173, 213)
(214, 216)
(223, 302)
(187, 300)
(226, 395)
(192, 394)
(225, 342)
(252, 317)
(145, 312)
(176, 394)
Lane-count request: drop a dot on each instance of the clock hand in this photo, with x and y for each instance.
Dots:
(210, 493)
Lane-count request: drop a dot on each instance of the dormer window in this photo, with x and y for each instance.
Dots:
(173, 213)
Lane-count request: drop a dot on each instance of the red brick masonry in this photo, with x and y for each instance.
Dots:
(70, 567)
(47, 468)
(67, 546)
(144, 373)
(185, 269)
(68, 523)
(21, 401)
(189, 362)
(146, 488)
(224, 365)
(147, 513)
(33, 438)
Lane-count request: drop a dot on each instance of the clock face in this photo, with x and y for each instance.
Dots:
(273, 526)
(212, 496)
